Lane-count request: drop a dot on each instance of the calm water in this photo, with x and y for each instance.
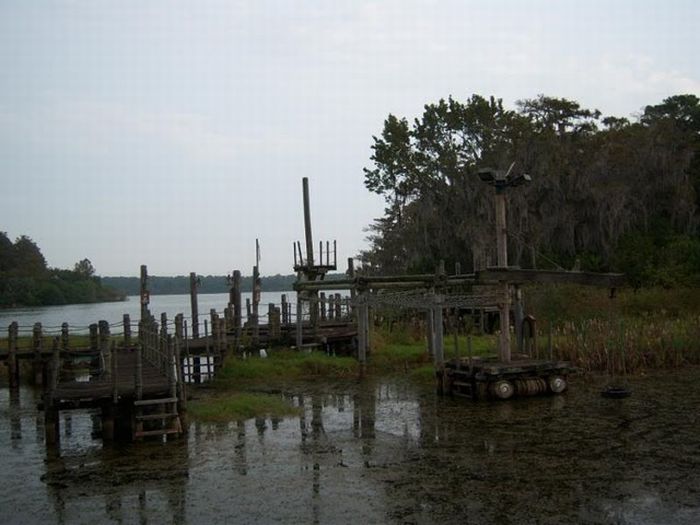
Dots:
(376, 452)
(80, 316)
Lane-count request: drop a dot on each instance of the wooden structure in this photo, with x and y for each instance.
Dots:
(496, 287)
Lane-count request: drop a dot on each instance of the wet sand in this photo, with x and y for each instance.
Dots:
(376, 452)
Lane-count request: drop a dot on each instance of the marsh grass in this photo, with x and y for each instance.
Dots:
(630, 344)
(240, 405)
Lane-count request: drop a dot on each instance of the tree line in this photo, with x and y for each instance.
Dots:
(607, 193)
(180, 284)
(26, 280)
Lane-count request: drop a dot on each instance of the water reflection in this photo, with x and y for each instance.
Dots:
(377, 452)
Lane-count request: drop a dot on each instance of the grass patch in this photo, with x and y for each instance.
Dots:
(239, 406)
(285, 364)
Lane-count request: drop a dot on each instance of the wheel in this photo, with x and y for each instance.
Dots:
(503, 389)
(557, 384)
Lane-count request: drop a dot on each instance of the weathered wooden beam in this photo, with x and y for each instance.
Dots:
(517, 275)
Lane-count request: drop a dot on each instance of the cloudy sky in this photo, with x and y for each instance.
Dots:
(174, 133)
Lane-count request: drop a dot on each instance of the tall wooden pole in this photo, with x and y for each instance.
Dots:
(193, 303)
(256, 305)
(237, 306)
(502, 247)
(145, 298)
(307, 224)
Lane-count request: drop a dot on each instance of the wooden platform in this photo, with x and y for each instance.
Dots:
(99, 388)
(490, 378)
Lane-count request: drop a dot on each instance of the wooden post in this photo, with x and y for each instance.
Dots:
(127, 331)
(237, 307)
(430, 331)
(214, 320)
(38, 346)
(439, 334)
(115, 379)
(179, 370)
(362, 333)
(273, 320)
(103, 327)
(285, 310)
(458, 268)
(256, 306)
(51, 416)
(138, 368)
(193, 303)
(322, 301)
(248, 310)
(65, 339)
(300, 323)
(144, 294)
(12, 361)
(351, 275)
(170, 360)
(307, 223)
(94, 339)
(206, 337)
(502, 247)
(337, 305)
(519, 315)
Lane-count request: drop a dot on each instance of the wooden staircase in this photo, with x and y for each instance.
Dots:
(156, 417)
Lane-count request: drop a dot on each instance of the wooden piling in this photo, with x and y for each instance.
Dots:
(114, 372)
(285, 310)
(144, 294)
(65, 337)
(337, 305)
(94, 338)
(237, 306)
(12, 361)
(103, 327)
(127, 331)
(273, 320)
(430, 331)
(51, 414)
(322, 301)
(138, 369)
(193, 304)
(37, 346)
(256, 305)
(519, 316)
(300, 324)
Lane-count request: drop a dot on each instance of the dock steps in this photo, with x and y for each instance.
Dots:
(156, 417)
(146, 402)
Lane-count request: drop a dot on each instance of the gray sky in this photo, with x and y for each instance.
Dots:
(174, 133)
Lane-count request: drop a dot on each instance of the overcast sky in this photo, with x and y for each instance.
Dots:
(173, 133)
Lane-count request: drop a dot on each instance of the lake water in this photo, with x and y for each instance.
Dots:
(376, 451)
(80, 316)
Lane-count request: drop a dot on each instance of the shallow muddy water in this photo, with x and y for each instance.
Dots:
(376, 452)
